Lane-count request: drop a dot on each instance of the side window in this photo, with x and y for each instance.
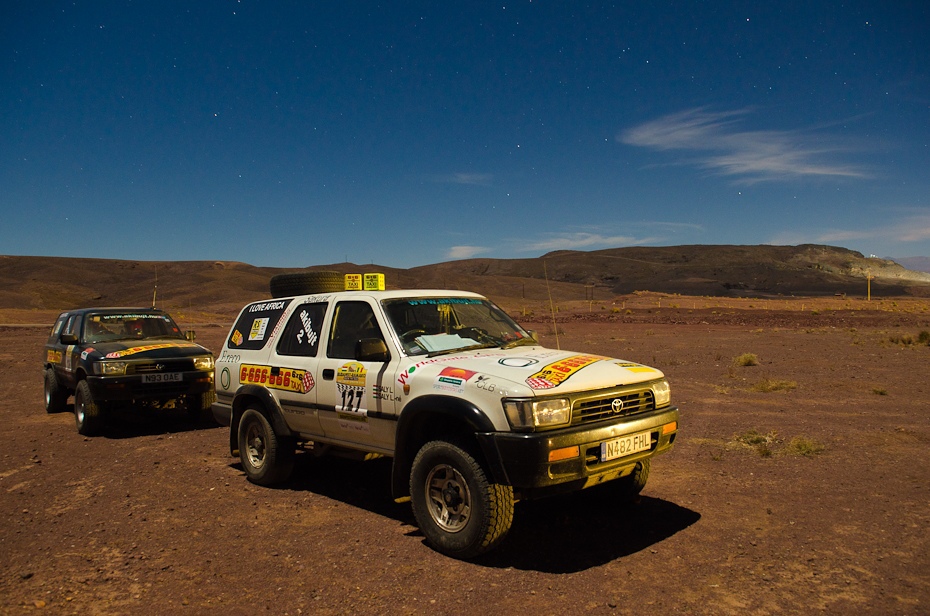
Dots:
(74, 325)
(352, 321)
(56, 329)
(301, 335)
(256, 325)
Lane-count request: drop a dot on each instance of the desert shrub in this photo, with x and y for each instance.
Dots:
(746, 359)
(768, 385)
(879, 391)
(923, 337)
(763, 444)
(904, 339)
(804, 446)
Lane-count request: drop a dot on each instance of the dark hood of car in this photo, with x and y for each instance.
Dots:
(162, 348)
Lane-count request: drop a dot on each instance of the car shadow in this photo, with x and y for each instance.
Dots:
(561, 534)
(127, 423)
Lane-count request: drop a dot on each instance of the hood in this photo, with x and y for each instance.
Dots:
(169, 348)
(527, 370)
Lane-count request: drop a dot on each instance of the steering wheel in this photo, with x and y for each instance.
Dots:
(410, 335)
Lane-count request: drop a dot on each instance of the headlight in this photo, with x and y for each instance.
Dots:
(662, 392)
(111, 368)
(530, 414)
(203, 363)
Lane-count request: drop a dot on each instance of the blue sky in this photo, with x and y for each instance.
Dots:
(292, 134)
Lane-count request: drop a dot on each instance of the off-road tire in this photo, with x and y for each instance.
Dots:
(305, 283)
(88, 415)
(197, 405)
(460, 512)
(627, 488)
(56, 396)
(266, 457)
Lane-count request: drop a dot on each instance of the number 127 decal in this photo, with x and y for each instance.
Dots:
(351, 399)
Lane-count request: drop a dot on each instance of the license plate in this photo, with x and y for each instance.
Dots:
(625, 445)
(166, 377)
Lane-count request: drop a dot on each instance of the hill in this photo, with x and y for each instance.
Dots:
(55, 283)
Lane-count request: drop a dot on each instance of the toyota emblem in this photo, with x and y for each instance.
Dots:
(160, 367)
(616, 405)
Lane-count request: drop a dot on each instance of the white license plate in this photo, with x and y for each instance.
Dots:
(166, 377)
(625, 445)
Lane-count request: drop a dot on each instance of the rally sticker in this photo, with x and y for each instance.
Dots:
(636, 367)
(53, 357)
(453, 379)
(259, 326)
(350, 383)
(237, 338)
(151, 347)
(554, 374)
(288, 379)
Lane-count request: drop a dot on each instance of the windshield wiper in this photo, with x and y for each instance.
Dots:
(519, 342)
(487, 345)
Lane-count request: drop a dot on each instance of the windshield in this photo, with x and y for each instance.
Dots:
(103, 327)
(439, 324)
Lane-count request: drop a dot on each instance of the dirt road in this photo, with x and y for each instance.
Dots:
(810, 498)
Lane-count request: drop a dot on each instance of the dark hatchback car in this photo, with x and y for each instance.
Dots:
(122, 357)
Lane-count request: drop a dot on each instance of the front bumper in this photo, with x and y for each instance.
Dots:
(129, 388)
(522, 460)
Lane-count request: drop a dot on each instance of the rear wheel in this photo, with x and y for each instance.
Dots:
(461, 513)
(56, 396)
(267, 457)
(88, 416)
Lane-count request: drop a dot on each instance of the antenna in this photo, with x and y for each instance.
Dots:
(555, 327)
(155, 291)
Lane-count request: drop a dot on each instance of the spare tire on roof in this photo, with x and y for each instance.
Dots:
(305, 283)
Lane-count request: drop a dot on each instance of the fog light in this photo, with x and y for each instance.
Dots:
(670, 427)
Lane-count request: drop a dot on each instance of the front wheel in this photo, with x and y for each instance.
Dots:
(88, 416)
(628, 487)
(267, 458)
(460, 512)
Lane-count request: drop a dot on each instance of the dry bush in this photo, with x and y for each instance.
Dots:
(768, 385)
(746, 359)
(804, 446)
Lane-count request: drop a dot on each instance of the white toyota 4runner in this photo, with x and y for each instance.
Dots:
(473, 411)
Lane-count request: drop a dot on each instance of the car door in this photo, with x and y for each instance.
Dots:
(294, 369)
(355, 397)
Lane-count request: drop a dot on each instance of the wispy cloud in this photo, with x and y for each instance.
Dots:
(717, 144)
(908, 229)
(474, 179)
(466, 252)
(581, 241)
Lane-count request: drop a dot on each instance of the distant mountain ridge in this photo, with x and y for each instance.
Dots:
(917, 264)
(57, 283)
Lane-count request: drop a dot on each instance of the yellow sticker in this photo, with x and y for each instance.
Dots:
(288, 379)
(554, 374)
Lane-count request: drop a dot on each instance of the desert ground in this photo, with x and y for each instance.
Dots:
(798, 484)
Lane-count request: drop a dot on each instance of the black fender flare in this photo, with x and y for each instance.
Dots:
(270, 406)
(410, 436)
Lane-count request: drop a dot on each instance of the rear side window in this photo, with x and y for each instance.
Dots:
(56, 329)
(301, 335)
(257, 325)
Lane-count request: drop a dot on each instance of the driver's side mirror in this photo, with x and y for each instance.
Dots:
(533, 334)
(191, 335)
(371, 349)
(69, 338)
